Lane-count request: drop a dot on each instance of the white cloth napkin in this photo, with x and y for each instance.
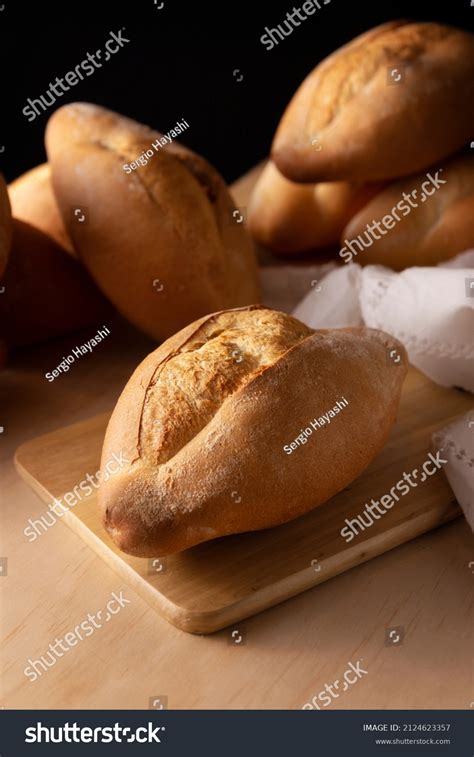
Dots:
(457, 443)
(430, 310)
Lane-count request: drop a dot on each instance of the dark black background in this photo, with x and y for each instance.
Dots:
(179, 64)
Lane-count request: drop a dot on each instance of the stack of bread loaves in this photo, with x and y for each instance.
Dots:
(228, 402)
(365, 130)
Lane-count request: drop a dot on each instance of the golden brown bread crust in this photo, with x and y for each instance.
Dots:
(47, 293)
(204, 419)
(33, 201)
(5, 226)
(438, 229)
(370, 129)
(289, 217)
(161, 241)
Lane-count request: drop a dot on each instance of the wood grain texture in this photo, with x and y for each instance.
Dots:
(290, 652)
(222, 582)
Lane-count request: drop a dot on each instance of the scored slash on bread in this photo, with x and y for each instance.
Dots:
(197, 425)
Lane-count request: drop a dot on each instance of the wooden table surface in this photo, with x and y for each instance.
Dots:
(288, 653)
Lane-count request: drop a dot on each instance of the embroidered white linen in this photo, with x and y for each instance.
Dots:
(430, 310)
(457, 441)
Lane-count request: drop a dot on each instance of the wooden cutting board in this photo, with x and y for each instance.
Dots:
(219, 583)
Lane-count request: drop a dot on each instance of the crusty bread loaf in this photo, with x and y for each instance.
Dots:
(161, 241)
(352, 120)
(429, 230)
(47, 293)
(289, 217)
(5, 226)
(207, 419)
(33, 201)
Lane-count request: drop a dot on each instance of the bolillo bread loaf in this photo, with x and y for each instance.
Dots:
(207, 419)
(289, 217)
(5, 226)
(435, 229)
(33, 201)
(161, 241)
(47, 293)
(354, 119)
